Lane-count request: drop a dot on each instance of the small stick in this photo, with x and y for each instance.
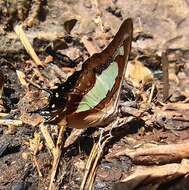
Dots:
(10, 122)
(47, 137)
(92, 161)
(90, 186)
(88, 165)
(57, 153)
(99, 151)
(165, 68)
(151, 93)
(37, 166)
(1, 83)
(154, 154)
(33, 84)
(4, 114)
(73, 137)
(21, 77)
(26, 43)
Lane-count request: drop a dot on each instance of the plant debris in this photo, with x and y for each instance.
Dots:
(45, 42)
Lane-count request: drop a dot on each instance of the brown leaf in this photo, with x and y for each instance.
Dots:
(143, 175)
(69, 24)
(154, 154)
(138, 73)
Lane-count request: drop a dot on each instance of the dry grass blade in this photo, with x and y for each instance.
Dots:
(73, 137)
(55, 150)
(91, 165)
(88, 165)
(37, 166)
(1, 83)
(56, 154)
(47, 137)
(21, 77)
(23, 38)
(91, 177)
(35, 146)
(4, 115)
(36, 5)
(165, 68)
(151, 93)
(10, 122)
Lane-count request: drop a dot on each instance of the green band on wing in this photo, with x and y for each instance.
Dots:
(104, 83)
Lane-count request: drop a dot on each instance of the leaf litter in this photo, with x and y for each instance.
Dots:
(149, 146)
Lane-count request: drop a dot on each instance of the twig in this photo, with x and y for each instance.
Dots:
(151, 93)
(4, 115)
(165, 68)
(88, 165)
(10, 122)
(21, 77)
(90, 185)
(47, 137)
(1, 83)
(92, 161)
(56, 154)
(26, 43)
(33, 84)
(37, 166)
(99, 152)
(73, 137)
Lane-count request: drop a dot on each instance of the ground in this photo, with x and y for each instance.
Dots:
(149, 147)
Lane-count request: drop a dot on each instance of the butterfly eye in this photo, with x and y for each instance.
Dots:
(53, 106)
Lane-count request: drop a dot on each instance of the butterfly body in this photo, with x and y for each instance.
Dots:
(89, 97)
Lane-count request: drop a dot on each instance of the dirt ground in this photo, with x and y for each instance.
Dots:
(149, 147)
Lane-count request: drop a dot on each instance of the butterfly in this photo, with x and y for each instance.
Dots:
(89, 97)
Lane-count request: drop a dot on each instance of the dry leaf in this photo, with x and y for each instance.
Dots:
(153, 154)
(138, 73)
(1, 83)
(21, 77)
(69, 24)
(144, 175)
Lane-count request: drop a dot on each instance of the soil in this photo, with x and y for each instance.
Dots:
(74, 30)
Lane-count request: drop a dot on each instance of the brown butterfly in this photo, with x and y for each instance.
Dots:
(90, 96)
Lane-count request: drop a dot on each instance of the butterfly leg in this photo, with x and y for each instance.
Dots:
(100, 137)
